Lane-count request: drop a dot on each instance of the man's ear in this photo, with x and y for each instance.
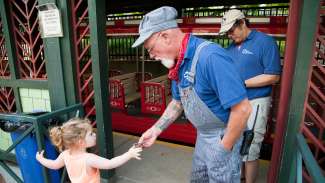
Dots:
(166, 37)
(242, 23)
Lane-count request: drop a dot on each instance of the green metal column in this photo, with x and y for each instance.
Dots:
(54, 68)
(306, 43)
(11, 49)
(66, 42)
(97, 21)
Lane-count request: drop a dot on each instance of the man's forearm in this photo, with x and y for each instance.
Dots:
(172, 112)
(262, 80)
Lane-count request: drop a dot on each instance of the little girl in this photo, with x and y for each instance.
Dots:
(72, 139)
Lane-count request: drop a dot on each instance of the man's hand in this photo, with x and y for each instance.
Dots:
(236, 124)
(172, 112)
(149, 137)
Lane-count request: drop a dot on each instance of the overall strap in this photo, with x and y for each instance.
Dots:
(190, 75)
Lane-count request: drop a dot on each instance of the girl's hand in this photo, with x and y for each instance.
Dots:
(134, 152)
(40, 155)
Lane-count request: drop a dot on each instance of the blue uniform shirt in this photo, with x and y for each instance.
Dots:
(258, 54)
(217, 82)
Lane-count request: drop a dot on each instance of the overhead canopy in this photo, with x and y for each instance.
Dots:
(123, 6)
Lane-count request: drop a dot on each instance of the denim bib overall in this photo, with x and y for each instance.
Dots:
(211, 162)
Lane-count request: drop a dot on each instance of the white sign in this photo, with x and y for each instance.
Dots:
(50, 20)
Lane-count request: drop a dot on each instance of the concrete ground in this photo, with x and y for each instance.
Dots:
(163, 162)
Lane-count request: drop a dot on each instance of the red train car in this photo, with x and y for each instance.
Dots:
(140, 104)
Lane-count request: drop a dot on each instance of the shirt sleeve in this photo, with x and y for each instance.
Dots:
(271, 57)
(175, 90)
(225, 80)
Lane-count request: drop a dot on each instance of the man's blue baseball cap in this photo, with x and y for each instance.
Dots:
(157, 20)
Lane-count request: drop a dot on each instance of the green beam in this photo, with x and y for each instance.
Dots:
(306, 43)
(298, 158)
(10, 172)
(11, 49)
(40, 146)
(9, 39)
(54, 68)
(63, 176)
(97, 21)
(22, 83)
(311, 164)
(69, 64)
(19, 108)
(19, 139)
(10, 157)
(60, 112)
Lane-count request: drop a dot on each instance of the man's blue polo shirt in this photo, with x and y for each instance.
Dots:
(258, 54)
(217, 82)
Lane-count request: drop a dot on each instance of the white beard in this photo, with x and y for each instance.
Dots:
(168, 63)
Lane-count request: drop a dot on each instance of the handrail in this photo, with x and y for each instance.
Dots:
(304, 153)
(36, 127)
(76, 107)
(11, 173)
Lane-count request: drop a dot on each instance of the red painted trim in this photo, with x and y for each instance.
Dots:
(28, 41)
(206, 28)
(286, 85)
(177, 132)
(75, 43)
(277, 25)
(4, 64)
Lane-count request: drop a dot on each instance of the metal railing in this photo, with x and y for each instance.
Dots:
(120, 46)
(38, 129)
(306, 157)
(252, 10)
(248, 11)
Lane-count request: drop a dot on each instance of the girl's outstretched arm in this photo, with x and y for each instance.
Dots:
(52, 164)
(96, 161)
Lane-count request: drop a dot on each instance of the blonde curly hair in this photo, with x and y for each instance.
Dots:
(69, 133)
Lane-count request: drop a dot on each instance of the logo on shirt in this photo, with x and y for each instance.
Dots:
(246, 52)
(189, 76)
